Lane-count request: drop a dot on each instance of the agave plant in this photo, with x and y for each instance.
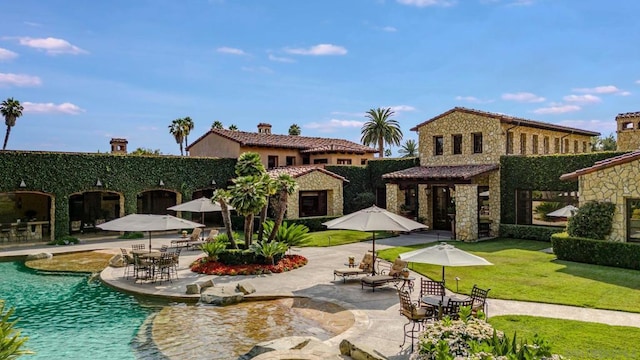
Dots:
(292, 235)
(268, 250)
(214, 248)
(11, 341)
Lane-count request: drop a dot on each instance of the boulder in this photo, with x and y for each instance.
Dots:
(246, 287)
(39, 256)
(285, 343)
(359, 352)
(221, 296)
(193, 288)
(116, 261)
(205, 284)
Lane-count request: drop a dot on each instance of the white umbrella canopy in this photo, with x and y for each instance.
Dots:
(148, 222)
(374, 219)
(201, 205)
(566, 211)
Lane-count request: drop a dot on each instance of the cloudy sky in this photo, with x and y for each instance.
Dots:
(87, 71)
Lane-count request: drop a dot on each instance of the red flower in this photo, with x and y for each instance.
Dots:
(288, 262)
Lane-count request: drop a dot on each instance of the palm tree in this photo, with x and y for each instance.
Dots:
(409, 149)
(294, 129)
(233, 127)
(11, 110)
(177, 130)
(222, 197)
(145, 151)
(248, 196)
(286, 186)
(249, 164)
(217, 125)
(187, 125)
(381, 129)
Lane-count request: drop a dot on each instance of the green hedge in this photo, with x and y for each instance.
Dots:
(237, 257)
(597, 252)
(529, 232)
(358, 177)
(540, 173)
(313, 223)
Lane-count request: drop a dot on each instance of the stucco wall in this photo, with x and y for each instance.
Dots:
(317, 181)
(614, 184)
(214, 145)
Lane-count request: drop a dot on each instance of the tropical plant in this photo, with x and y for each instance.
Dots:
(222, 196)
(248, 196)
(11, 110)
(285, 186)
(217, 125)
(546, 207)
(214, 248)
(250, 164)
(269, 250)
(409, 149)
(388, 153)
(187, 126)
(290, 234)
(177, 130)
(233, 127)
(271, 188)
(11, 343)
(145, 151)
(381, 129)
(294, 129)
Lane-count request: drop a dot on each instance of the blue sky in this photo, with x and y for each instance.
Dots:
(87, 71)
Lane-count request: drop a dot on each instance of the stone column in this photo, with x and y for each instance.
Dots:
(424, 205)
(467, 212)
(393, 194)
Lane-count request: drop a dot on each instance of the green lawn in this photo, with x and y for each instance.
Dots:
(341, 237)
(575, 340)
(522, 272)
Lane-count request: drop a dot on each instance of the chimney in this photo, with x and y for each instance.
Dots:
(264, 128)
(118, 146)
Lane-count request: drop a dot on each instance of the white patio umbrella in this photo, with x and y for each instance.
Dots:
(201, 205)
(566, 211)
(374, 219)
(149, 223)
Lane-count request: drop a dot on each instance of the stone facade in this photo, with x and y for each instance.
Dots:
(393, 193)
(466, 212)
(615, 184)
(317, 181)
(628, 133)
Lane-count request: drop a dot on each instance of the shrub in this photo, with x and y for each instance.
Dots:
(214, 248)
(546, 207)
(11, 343)
(65, 240)
(529, 232)
(132, 235)
(597, 252)
(592, 220)
(363, 200)
(291, 235)
(237, 257)
(269, 250)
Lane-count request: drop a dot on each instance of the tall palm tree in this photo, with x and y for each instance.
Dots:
(249, 164)
(11, 110)
(294, 129)
(222, 196)
(177, 130)
(187, 125)
(409, 149)
(381, 129)
(233, 127)
(286, 186)
(271, 188)
(248, 196)
(217, 125)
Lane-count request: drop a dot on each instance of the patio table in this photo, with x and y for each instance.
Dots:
(434, 300)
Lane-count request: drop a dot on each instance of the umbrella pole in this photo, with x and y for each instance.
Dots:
(202, 222)
(443, 285)
(373, 265)
(149, 241)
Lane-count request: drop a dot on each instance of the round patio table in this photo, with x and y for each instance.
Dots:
(434, 300)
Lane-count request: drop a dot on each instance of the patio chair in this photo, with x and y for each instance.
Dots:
(138, 246)
(212, 235)
(416, 315)
(479, 297)
(364, 268)
(431, 287)
(164, 248)
(165, 267)
(386, 276)
(142, 269)
(453, 308)
(128, 262)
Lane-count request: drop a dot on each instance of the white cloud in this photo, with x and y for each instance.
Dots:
(334, 124)
(624, 93)
(7, 54)
(557, 109)
(472, 99)
(523, 97)
(425, 3)
(637, 81)
(607, 89)
(602, 126)
(280, 59)
(318, 50)
(9, 79)
(583, 99)
(257, 69)
(401, 108)
(389, 29)
(230, 50)
(52, 46)
(51, 108)
(350, 114)
(30, 23)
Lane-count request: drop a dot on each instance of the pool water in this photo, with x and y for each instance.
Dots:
(69, 316)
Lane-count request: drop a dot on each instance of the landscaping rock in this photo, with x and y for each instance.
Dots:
(39, 256)
(359, 352)
(205, 284)
(116, 261)
(221, 296)
(193, 288)
(285, 343)
(246, 287)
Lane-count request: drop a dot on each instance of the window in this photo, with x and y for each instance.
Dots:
(523, 144)
(438, 145)
(306, 160)
(477, 143)
(534, 144)
(344, 161)
(565, 146)
(291, 160)
(627, 126)
(584, 146)
(545, 145)
(272, 162)
(556, 146)
(633, 220)
(457, 144)
(320, 161)
(575, 146)
(509, 142)
(363, 161)
(313, 203)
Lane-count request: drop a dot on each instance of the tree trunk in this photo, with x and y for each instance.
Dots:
(381, 147)
(181, 152)
(248, 230)
(6, 137)
(263, 218)
(282, 208)
(186, 141)
(226, 220)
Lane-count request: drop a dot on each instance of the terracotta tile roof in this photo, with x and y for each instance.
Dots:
(603, 164)
(511, 120)
(288, 141)
(460, 172)
(296, 171)
(628, 114)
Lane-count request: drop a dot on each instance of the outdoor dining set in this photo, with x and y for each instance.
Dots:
(147, 265)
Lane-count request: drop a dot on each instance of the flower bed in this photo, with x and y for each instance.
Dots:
(288, 262)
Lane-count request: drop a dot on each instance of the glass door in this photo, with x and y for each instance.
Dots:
(441, 201)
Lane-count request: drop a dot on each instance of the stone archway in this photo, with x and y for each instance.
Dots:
(36, 209)
(157, 201)
(91, 208)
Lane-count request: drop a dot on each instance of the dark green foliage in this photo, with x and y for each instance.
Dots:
(63, 174)
(12, 343)
(364, 200)
(313, 223)
(289, 234)
(546, 207)
(64, 240)
(379, 167)
(592, 220)
(539, 173)
(132, 235)
(598, 252)
(529, 232)
(237, 257)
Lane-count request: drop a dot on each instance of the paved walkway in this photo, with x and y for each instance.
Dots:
(378, 324)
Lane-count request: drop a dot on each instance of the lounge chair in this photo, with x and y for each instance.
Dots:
(194, 240)
(365, 268)
(212, 235)
(392, 275)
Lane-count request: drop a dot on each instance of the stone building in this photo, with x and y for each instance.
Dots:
(628, 133)
(457, 186)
